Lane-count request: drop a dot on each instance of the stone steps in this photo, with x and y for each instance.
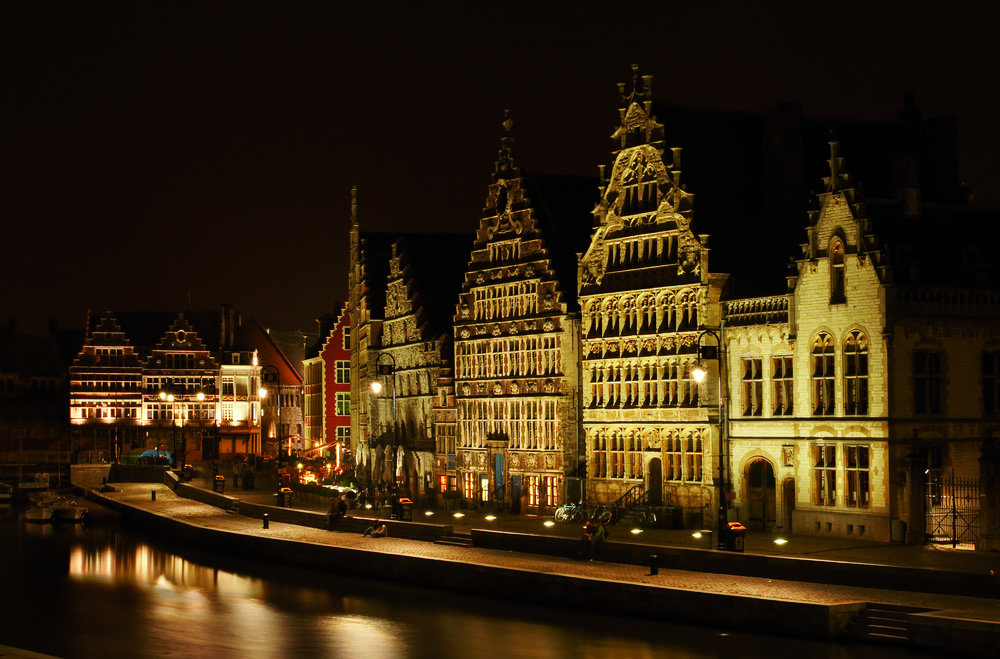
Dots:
(882, 623)
(455, 539)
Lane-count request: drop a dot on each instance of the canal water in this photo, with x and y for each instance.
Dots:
(99, 590)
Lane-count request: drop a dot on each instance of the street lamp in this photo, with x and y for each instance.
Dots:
(388, 370)
(699, 372)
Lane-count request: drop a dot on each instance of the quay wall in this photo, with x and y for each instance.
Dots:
(761, 615)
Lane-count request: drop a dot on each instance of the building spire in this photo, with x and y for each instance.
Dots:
(505, 167)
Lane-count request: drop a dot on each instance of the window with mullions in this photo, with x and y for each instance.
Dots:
(823, 375)
(927, 382)
(781, 377)
(856, 470)
(825, 474)
(343, 371)
(991, 383)
(856, 373)
(837, 272)
(343, 404)
(753, 386)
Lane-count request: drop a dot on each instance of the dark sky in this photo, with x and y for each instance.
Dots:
(156, 153)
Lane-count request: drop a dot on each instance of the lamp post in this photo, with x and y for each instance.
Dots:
(389, 370)
(699, 372)
(168, 396)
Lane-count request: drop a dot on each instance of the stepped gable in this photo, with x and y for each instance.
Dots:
(145, 329)
(376, 250)
(107, 334)
(433, 265)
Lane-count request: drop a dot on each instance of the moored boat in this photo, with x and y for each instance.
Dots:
(68, 511)
(38, 514)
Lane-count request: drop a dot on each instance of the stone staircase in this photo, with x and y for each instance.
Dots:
(882, 623)
(455, 539)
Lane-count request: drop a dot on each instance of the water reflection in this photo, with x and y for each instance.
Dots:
(103, 592)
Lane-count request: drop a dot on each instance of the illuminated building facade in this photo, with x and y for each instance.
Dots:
(192, 390)
(515, 355)
(647, 294)
(326, 408)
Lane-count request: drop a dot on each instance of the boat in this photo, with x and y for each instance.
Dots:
(39, 515)
(68, 511)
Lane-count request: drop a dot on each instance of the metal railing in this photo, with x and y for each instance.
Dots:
(953, 511)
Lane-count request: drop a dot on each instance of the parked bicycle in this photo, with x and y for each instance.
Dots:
(605, 514)
(572, 512)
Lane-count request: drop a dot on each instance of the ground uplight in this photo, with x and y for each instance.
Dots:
(459, 515)
(490, 518)
(636, 531)
(548, 522)
(780, 541)
(429, 513)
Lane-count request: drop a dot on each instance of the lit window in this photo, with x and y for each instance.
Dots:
(825, 474)
(343, 371)
(856, 373)
(837, 295)
(753, 387)
(781, 377)
(343, 404)
(823, 375)
(856, 470)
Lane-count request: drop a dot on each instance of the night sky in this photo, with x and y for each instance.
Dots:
(161, 155)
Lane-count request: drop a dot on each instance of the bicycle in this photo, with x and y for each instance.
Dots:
(572, 512)
(605, 514)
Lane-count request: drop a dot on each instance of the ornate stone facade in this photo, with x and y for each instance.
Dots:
(646, 295)
(515, 356)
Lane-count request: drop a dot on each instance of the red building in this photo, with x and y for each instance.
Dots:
(327, 389)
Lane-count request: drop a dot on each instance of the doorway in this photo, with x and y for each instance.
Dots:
(760, 495)
(788, 502)
(655, 488)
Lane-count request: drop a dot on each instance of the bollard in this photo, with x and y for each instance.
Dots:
(266, 520)
(654, 569)
(153, 493)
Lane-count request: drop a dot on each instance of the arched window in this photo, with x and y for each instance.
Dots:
(837, 295)
(856, 373)
(823, 374)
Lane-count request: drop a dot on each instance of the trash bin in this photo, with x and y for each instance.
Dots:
(285, 497)
(406, 510)
(736, 537)
(219, 484)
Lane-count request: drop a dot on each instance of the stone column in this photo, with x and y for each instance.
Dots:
(916, 482)
(989, 495)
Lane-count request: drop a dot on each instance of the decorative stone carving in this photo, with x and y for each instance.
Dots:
(532, 386)
(549, 387)
(514, 389)
(466, 312)
(529, 271)
(464, 333)
(481, 330)
(497, 330)
(466, 390)
(513, 328)
(548, 326)
(497, 389)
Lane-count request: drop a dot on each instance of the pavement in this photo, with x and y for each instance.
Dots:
(812, 547)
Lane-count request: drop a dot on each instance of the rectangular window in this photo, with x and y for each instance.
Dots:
(343, 403)
(856, 373)
(344, 435)
(927, 382)
(532, 491)
(781, 377)
(228, 385)
(823, 376)
(693, 458)
(343, 371)
(469, 485)
(227, 411)
(991, 383)
(347, 338)
(549, 490)
(825, 474)
(856, 470)
(753, 386)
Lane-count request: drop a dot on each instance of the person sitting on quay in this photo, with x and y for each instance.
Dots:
(377, 531)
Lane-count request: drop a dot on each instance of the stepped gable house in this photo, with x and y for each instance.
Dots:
(402, 292)
(647, 294)
(516, 328)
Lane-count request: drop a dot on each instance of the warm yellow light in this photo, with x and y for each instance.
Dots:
(636, 531)
(163, 395)
(548, 523)
(699, 373)
(780, 541)
(696, 535)
(376, 386)
(459, 515)
(263, 392)
(170, 397)
(490, 518)
(201, 396)
(429, 513)
(300, 465)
